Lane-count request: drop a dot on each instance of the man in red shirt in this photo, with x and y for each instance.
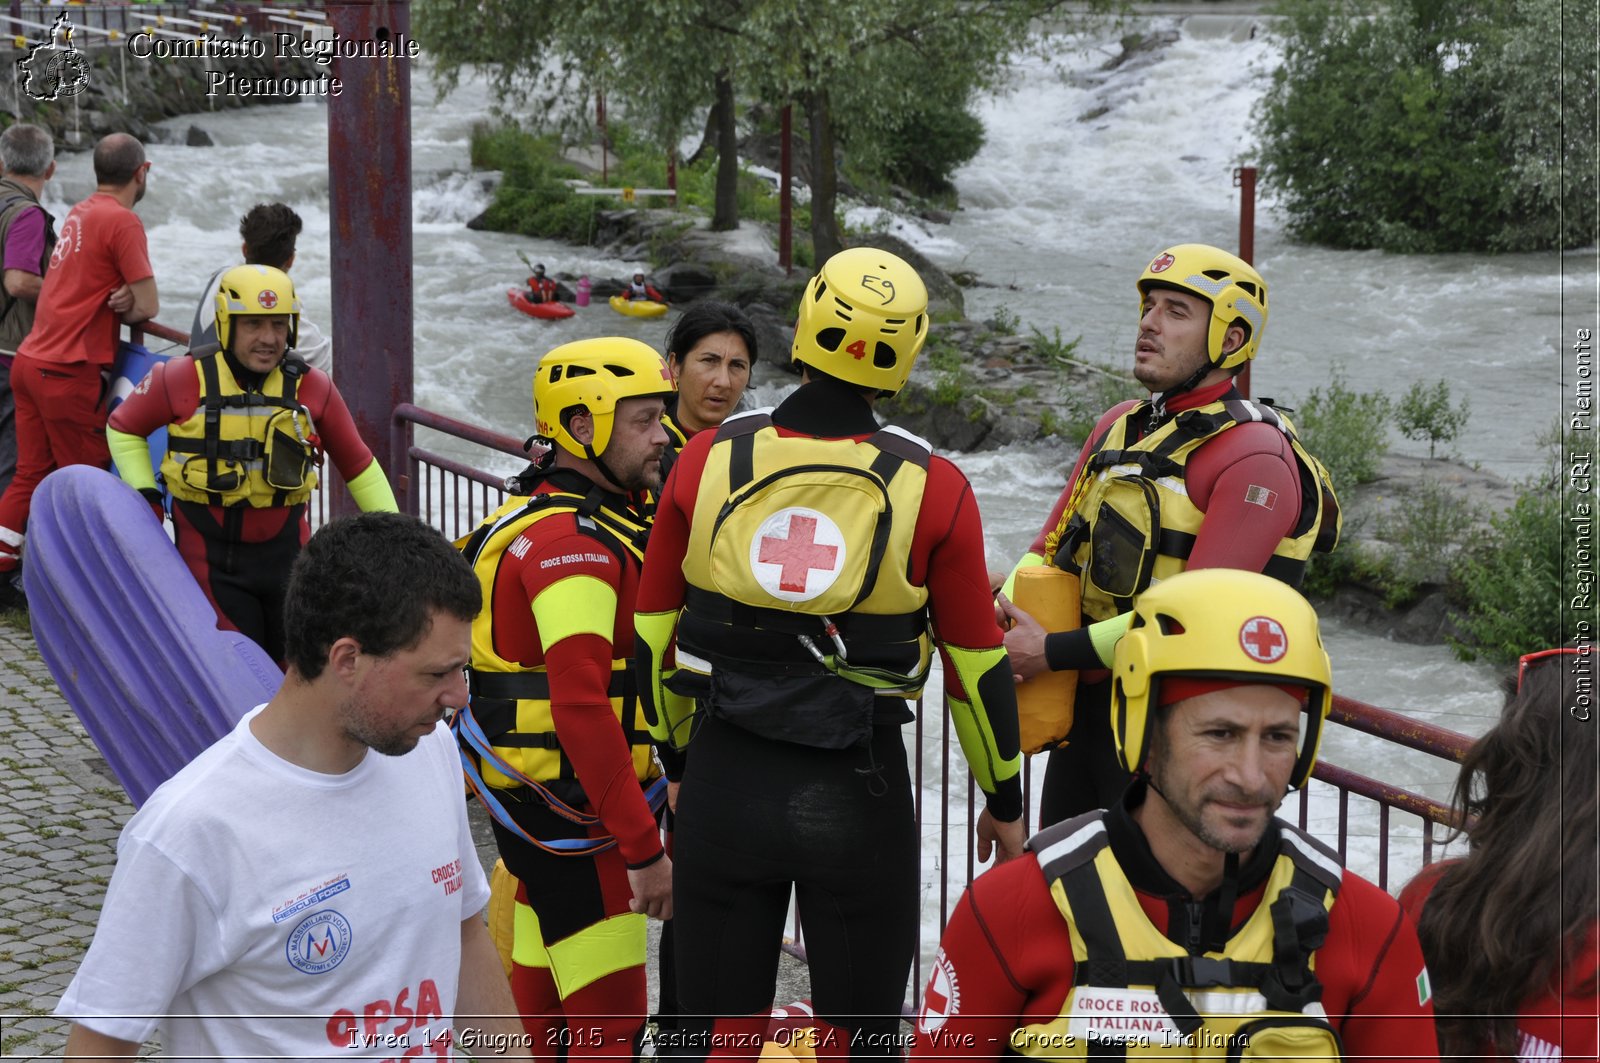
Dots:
(557, 751)
(246, 425)
(802, 564)
(1188, 920)
(99, 279)
(1195, 476)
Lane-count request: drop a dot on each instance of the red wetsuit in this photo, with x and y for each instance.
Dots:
(1249, 461)
(1006, 956)
(571, 894)
(241, 554)
(1562, 1021)
(756, 814)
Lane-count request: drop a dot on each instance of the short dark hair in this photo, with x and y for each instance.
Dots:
(26, 150)
(117, 157)
(705, 319)
(377, 578)
(269, 231)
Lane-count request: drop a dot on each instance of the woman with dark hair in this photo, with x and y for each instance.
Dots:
(710, 352)
(1510, 931)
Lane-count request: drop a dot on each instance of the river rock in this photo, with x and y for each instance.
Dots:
(774, 335)
(684, 282)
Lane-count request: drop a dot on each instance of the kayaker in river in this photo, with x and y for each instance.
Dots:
(639, 288)
(541, 289)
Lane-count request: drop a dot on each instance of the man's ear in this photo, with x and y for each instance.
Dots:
(581, 427)
(342, 657)
(1233, 339)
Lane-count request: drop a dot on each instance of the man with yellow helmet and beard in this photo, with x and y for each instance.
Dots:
(250, 423)
(799, 560)
(1188, 921)
(552, 740)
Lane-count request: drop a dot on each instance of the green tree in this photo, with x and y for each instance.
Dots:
(1426, 413)
(1434, 125)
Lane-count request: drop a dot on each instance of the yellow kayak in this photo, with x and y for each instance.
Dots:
(637, 307)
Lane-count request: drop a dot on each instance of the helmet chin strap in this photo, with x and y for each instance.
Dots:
(605, 470)
(1158, 399)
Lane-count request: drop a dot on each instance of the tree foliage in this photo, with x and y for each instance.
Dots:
(888, 81)
(1435, 125)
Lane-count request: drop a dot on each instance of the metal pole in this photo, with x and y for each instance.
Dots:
(600, 120)
(369, 200)
(786, 194)
(1244, 179)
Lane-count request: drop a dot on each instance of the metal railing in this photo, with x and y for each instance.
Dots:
(1363, 811)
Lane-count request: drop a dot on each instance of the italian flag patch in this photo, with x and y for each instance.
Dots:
(1424, 989)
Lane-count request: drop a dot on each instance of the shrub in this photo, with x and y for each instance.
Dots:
(1426, 413)
(1427, 528)
(1348, 431)
(1510, 581)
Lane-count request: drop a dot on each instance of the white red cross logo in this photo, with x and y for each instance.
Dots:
(1263, 639)
(267, 298)
(1162, 261)
(943, 996)
(797, 554)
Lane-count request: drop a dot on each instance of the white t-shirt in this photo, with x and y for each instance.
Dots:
(310, 345)
(260, 909)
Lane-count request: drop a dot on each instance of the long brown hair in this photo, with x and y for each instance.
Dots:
(1510, 918)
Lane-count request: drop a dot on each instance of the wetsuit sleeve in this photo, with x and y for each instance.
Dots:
(1247, 482)
(1373, 948)
(572, 591)
(169, 394)
(661, 594)
(350, 454)
(978, 682)
(132, 457)
(1004, 958)
(372, 492)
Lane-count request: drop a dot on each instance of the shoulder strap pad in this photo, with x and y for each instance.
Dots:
(1069, 844)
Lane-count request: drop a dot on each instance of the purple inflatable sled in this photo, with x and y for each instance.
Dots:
(128, 634)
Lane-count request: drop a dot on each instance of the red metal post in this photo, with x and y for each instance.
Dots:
(786, 194)
(369, 200)
(1244, 179)
(672, 172)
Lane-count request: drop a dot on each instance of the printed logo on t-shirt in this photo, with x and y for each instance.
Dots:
(320, 943)
(311, 898)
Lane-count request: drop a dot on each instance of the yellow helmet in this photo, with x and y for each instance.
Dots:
(595, 374)
(863, 319)
(1218, 623)
(1236, 292)
(254, 291)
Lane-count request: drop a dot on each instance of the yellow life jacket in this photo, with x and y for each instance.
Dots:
(510, 702)
(798, 590)
(255, 448)
(1130, 522)
(1138, 994)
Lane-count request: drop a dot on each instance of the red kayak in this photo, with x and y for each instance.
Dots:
(549, 311)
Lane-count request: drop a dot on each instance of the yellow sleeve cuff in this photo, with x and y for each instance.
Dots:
(132, 455)
(371, 490)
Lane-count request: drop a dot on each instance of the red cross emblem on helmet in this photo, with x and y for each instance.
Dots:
(267, 298)
(1263, 639)
(1161, 262)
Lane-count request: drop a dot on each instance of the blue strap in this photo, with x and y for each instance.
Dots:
(470, 736)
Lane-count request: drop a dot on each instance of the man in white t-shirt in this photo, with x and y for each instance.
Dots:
(307, 887)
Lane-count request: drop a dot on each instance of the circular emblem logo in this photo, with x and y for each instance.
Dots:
(267, 298)
(1263, 639)
(320, 943)
(1161, 262)
(797, 553)
(943, 998)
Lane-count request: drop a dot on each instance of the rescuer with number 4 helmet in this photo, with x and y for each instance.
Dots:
(1188, 921)
(801, 557)
(552, 741)
(1195, 476)
(248, 424)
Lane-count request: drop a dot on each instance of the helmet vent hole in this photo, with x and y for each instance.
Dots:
(884, 357)
(578, 370)
(830, 338)
(555, 374)
(822, 287)
(1168, 624)
(1216, 274)
(845, 310)
(894, 321)
(619, 370)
